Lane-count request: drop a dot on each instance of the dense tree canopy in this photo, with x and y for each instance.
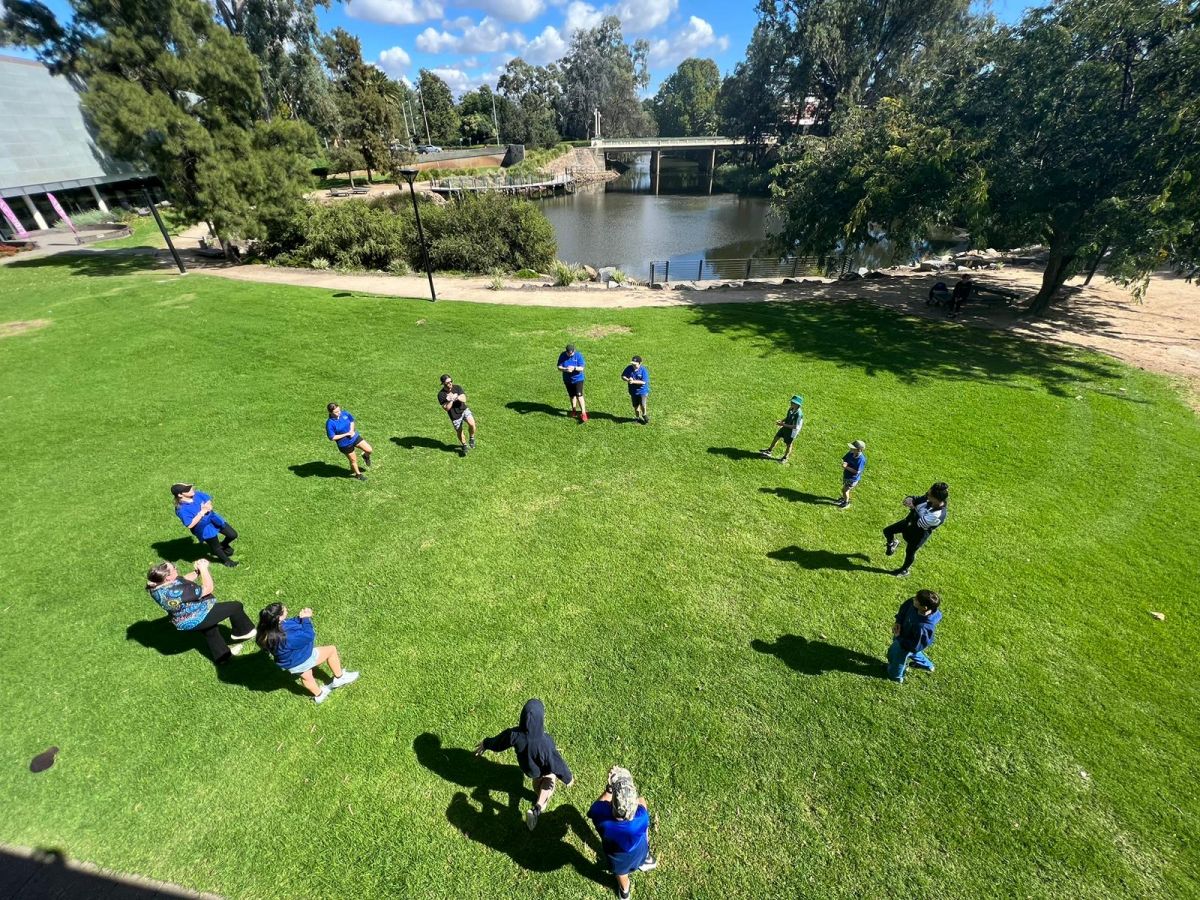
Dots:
(686, 102)
(437, 107)
(602, 72)
(533, 95)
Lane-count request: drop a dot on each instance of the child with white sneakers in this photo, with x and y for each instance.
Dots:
(292, 642)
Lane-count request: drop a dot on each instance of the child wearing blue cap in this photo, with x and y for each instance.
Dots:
(789, 428)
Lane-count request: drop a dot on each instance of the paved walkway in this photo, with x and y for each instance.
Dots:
(28, 874)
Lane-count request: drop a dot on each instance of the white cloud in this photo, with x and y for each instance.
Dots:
(644, 15)
(460, 23)
(461, 82)
(696, 37)
(394, 12)
(581, 15)
(546, 47)
(488, 36)
(394, 61)
(511, 10)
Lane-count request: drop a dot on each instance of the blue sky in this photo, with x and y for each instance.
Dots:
(468, 43)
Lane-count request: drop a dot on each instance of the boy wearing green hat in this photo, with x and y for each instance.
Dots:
(789, 427)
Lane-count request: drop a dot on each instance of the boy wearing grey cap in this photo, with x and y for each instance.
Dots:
(789, 428)
(853, 464)
(622, 820)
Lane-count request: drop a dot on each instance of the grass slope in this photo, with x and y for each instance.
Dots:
(698, 615)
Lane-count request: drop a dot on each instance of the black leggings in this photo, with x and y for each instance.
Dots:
(219, 547)
(914, 537)
(238, 621)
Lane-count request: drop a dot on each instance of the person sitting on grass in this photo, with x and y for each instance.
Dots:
(453, 399)
(912, 632)
(537, 756)
(789, 428)
(853, 464)
(195, 511)
(340, 429)
(292, 642)
(622, 820)
(191, 607)
(570, 363)
(939, 295)
(638, 378)
(924, 515)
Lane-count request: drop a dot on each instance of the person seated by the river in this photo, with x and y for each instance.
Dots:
(939, 295)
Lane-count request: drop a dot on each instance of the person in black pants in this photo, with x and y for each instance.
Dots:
(925, 513)
(191, 607)
(195, 510)
(962, 293)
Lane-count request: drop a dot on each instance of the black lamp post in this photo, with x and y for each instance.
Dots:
(161, 227)
(410, 175)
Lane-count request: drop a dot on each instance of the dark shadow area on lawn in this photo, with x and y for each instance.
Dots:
(738, 453)
(414, 442)
(179, 550)
(824, 559)
(92, 263)
(45, 873)
(253, 670)
(319, 468)
(863, 336)
(525, 407)
(498, 823)
(609, 417)
(818, 657)
(794, 496)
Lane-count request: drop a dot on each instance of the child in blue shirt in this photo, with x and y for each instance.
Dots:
(622, 820)
(912, 633)
(571, 364)
(638, 378)
(195, 510)
(292, 642)
(853, 464)
(340, 429)
(789, 428)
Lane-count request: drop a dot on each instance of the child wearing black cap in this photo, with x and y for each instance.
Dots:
(570, 363)
(195, 511)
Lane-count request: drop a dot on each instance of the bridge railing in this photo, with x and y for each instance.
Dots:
(499, 182)
(694, 141)
(663, 271)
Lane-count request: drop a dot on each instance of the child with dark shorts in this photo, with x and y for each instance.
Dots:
(789, 429)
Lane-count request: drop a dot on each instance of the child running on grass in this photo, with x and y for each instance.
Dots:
(623, 821)
(924, 515)
(293, 644)
(453, 399)
(789, 428)
(340, 429)
(853, 464)
(571, 364)
(912, 632)
(537, 756)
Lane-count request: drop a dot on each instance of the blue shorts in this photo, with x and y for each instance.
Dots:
(309, 663)
(624, 863)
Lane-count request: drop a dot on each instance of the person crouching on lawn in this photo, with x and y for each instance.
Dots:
(537, 756)
(340, 429)
(292, 643)
(453, 399)
(622, 820)
(789, 428)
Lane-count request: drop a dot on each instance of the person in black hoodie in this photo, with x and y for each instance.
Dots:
(537, 756)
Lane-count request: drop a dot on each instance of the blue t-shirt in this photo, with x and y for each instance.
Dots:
(342, 424)
(182, 603)
(208, 526)
(640, 373)
(571, 359)
(299, 637)
(625, 843)
(856, 466)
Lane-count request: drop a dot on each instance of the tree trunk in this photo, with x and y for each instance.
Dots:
(1058, 269)
(1096, 263)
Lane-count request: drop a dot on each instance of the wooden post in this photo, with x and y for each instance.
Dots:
(667, 274)
(655, 161)
(748, 262)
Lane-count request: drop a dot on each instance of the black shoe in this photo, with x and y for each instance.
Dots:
(624, 894)
(471, 443)
(367, 460)
(462, 449)
(891, 547)
(842, 504)
(361, 477)
(230, 564)
(901, 573)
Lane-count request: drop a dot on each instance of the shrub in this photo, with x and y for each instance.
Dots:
(398, 267)
(319, 262)
(528, 273)
(565, 274)
(353, 235)
(618, 276)
(496, 283)
(95, 217)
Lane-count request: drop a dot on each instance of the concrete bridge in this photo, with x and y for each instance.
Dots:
(659, 145)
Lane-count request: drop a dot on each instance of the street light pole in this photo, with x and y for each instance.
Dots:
(495, 121)
(410, 175)
(163, 229)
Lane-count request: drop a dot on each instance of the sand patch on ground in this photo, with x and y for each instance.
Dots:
(596, 332)
(8, 329)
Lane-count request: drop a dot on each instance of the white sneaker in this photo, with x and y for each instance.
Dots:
(344, 678)
(531, 817)
(325, 692)
(236, 649)
(649, 865)
(248, 636)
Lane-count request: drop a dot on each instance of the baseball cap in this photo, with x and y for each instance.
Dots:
(180, 488)
(857, 445)
(624, 793)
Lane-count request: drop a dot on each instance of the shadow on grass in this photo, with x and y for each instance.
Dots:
(45, 872)
(818, 657)
(497, 822)
(824, 559)
(414, 442)
(253, 670)
(737, 453)
(93, 263)
(320, 469)
(881, 341)
(179, 550)
(794, 496)
(525, 407)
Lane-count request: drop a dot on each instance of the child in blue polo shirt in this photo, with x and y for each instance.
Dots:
(292, 642)
(853, 464)
(570, 363)
(622, 820)
(195, 510)
(638, 378)
(912, 632)
(789, 428)
(340, 429)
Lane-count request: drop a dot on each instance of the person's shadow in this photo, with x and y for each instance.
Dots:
(794, 496)
(183, 549)
(525, 407)
(824, 559)
(735, 453)
(414, 442)
(818, 657)
(492, 813)
(320, 469)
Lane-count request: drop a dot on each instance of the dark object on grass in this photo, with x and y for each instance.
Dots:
(43, 760)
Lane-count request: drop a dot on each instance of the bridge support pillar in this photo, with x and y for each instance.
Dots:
(712, 167)
(655, 160)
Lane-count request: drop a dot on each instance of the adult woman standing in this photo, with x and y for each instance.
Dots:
(189, 603)
(342, 430)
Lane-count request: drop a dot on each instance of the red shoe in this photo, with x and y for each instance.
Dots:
(571, 414)
(583, 418)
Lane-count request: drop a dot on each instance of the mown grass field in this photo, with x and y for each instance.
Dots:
(696, 614)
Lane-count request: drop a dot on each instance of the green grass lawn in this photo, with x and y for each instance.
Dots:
(146, 233)
(696, 614)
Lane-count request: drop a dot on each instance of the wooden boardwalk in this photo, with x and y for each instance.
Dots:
(530, 186)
